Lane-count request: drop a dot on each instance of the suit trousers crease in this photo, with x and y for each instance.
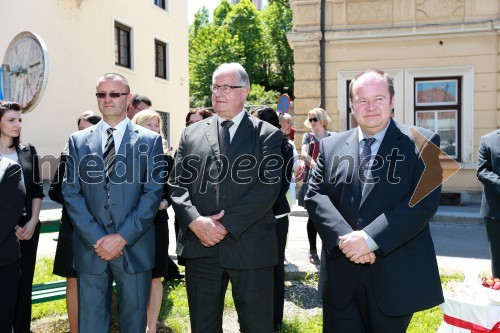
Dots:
(252, 291)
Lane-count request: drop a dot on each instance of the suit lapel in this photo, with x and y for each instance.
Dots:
(353, 150)
(212, 135)
(240, 137)
(94, 141)
(130, 137)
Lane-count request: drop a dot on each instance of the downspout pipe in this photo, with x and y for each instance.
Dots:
(322, 55)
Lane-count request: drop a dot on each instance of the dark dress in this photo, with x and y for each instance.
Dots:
(28, 159)
(12, 198)
(63, 262)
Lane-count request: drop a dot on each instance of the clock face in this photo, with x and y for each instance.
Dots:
(25, 70)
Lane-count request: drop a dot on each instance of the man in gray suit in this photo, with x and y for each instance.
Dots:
(112, 191)
(488, 173)
(225, 182)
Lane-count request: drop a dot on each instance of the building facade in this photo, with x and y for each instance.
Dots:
(442, 54)
(144, 40)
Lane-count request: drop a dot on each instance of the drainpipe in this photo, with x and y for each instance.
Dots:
(322, 55)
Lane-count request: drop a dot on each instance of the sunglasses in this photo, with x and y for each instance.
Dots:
(111, 94)
(315, 119)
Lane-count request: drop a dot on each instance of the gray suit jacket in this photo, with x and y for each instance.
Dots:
(405, 273)
(135, 193)
(488, 173)
(246, 193)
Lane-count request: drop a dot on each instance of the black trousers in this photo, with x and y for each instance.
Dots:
(9, 286)
(279, 272)
(493, 233)
(22, 318)
(362, 314)
(252, 291)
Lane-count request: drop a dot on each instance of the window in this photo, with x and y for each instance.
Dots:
(122, 45)
(438, 108)
(161, 60)
(163, 4)
(165, 119)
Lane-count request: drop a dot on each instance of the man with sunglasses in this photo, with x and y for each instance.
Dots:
(112, 191)
(226, 180)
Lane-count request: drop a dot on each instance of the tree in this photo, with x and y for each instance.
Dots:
(201, 19)
(220, 12)
(285, 3)
(244, 21)
(277, 21)
(210, 47)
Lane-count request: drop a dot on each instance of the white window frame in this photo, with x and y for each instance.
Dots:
(467, 116)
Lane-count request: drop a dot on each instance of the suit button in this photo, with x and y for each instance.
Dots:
(109, 225)
(106, 206)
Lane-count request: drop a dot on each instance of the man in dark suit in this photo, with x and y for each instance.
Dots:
(488, 173)
(112, 190)
(378, 262)
(226, 180)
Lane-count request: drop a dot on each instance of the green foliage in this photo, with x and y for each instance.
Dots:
(220, 12)
(201, 19)
(426, 321)
(312, 324)
(241, 33)
(259, 96)
(211, 47)
(285, 3)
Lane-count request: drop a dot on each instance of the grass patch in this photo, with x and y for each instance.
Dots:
(43, 273)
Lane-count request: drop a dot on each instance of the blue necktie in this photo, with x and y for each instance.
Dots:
(364, 159)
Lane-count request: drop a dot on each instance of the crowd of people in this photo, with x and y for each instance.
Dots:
(229, 184)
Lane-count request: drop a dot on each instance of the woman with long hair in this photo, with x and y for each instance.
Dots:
(28, 230)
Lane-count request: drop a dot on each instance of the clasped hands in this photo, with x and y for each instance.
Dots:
(354, 247)
(208, 229)
(110, 247)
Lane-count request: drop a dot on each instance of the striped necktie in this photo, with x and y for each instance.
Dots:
(364, 159)
(109, 155)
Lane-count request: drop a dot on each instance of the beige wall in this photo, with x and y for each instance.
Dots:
(408, 39)
(79, 35)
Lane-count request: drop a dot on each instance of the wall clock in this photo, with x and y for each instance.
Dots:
(25, 70)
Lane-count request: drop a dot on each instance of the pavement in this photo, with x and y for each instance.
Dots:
(458, 233)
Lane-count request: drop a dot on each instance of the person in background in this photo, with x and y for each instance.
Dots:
(286, 123)
(488, 173)
(112, 190)
(137, 104)
(281, 210)
(227, 227)
(361, 198)
(29, 226)
(152, 121)
(12, 202)
(318, 121)
(63, 261)
(196, 115)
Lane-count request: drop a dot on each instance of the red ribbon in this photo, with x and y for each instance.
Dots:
(474, 328)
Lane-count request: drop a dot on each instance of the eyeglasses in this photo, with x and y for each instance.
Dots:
(111, 94)
(224, 88)
(315, 119)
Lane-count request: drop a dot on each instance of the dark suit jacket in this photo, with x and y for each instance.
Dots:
(12, 199)
(281, 206)
(405, 272)
(488, 173)
(135, 193)
(246, 193)
(28, 159)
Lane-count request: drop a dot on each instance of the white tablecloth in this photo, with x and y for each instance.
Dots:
(481, 311)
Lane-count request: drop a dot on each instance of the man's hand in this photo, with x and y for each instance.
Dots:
(354, 247)
(208, 229)
(110, 247)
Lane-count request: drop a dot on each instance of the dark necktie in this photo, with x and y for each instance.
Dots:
(109, 155)
(224, 137)
(364, 159)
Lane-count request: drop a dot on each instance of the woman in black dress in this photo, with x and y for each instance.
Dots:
(28, 231)
(12, 198)
(63, 262)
